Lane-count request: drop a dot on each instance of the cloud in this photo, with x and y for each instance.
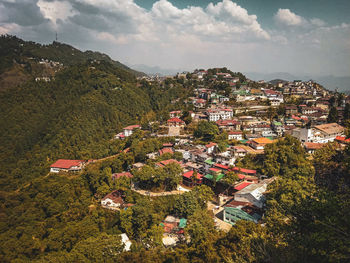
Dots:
(55, 10)
(219, 34)
(287, 17)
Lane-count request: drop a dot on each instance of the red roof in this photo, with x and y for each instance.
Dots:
(235, 132)
(214, 169)
(313, 145)
(226, 122)
(201, 101)
(66, 164)
(342, 139)
(221, 166)
(241, 176)
(166, 162)
(166, 150)
(175, 119)
(242, 185)
(190, 173)
(131, 127)
(118, 175)
(243, 170)
(211, 144)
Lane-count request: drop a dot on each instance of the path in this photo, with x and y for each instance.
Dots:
(153, 194)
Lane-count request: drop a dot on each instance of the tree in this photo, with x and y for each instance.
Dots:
(286, 158)
(206, 130)
(201, 227)
(97, 249)
(230, 179)
(332, 115)
(347, 112)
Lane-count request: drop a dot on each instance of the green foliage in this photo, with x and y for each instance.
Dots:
(332, 115)
(187, 203)
(206, 130)
(286, 158)
(164, 178)
(200, 227)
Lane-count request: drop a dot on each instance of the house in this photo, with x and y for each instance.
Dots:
(166, 162)
(210, 147)
(116, 176)
(115, 200)
(311, 147)
(244, 170)
(235, 210)
(174, 114)
(175, 122)
(252, 193)
(192, 178)
(259, 143)
(235, 135)
(228, 124)
(138, 166)
(320, 133)
(275, 103)
(219, 114)
(127, 131)
(63, 165)
(291, 110)
(165, 150)
(278, 128)
(200, 103)
(239, 151)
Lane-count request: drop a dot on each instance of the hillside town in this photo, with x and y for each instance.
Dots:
(226, 119)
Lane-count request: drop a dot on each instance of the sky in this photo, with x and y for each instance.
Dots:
(302, 37)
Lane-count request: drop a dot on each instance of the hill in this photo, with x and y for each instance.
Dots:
(74, 115)
(28, 59)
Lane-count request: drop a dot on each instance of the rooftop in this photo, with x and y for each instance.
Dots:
(66, 164)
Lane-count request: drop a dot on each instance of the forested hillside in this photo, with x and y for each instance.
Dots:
(73, 116)
(20, 60)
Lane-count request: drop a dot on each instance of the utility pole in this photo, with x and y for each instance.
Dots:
(56, 37)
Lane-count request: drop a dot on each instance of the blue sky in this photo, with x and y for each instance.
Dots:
(304, 37)
(334, 11)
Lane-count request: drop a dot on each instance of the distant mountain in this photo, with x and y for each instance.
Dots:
(329, 82)
(275, 81)
(153, 70)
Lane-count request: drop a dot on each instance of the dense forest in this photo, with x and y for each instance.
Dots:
(57, 218)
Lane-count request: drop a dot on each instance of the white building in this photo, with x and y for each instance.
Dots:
(320, 134)
(252, 193)
(219, 114)
(126, 241)
(235, 135)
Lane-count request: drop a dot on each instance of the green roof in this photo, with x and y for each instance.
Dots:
(243, 141)
(277, 123)
(209, 161)
(183, 223)
(236, 214)
(218, 177)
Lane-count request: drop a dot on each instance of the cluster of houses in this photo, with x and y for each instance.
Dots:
(249, 125)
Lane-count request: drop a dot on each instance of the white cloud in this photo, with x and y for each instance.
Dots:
(317, 22)
(56, 10)
(287, 17)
